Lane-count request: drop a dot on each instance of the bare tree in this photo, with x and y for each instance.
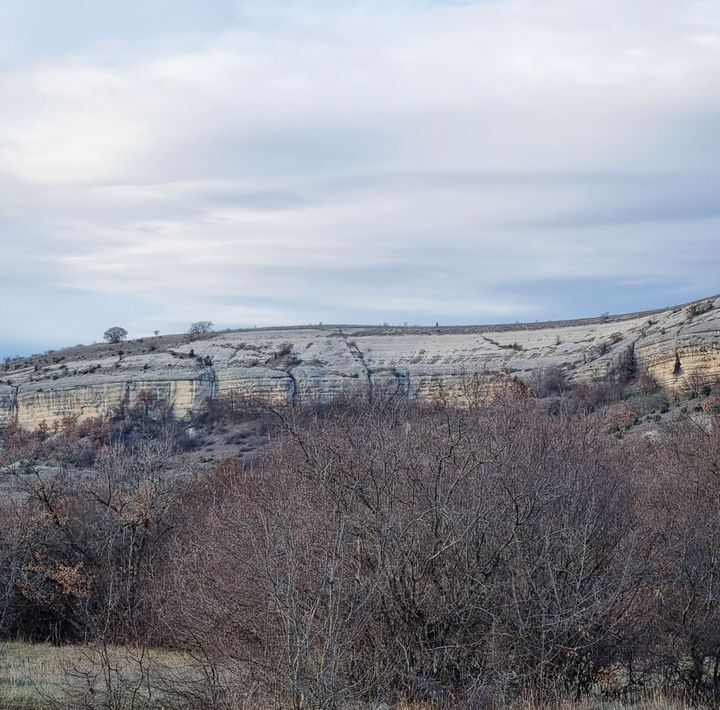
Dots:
(377, 552)
(146, 398)
(200, 327)
(387, 551)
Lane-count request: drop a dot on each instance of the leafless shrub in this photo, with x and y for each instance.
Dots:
(693, 384)
(108, 678)
(88, 546)
(697, 309)
(374, 561)
(549, 381)
(711, 405)
(200, 327)
(383, 552)
(647, 383)
(620, 417)
(283, 349)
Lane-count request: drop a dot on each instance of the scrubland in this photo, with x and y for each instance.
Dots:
(558, 552)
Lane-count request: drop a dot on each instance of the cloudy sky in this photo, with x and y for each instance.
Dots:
(261, 162)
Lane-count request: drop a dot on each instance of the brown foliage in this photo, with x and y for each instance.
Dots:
(620, 417)
(369, 556)
(387, 552)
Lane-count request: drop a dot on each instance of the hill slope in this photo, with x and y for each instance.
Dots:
(679, 348)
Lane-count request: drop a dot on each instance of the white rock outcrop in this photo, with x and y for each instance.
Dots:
(679, 348)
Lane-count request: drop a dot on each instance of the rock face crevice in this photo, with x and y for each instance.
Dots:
(8, 404)
(679, 348)
(293, 390)
(359, 356)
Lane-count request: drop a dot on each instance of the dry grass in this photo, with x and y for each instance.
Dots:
(36, 675)
(653, 703)
(32, 676)
(656, 702)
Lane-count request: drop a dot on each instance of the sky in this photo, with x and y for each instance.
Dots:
(268, 162)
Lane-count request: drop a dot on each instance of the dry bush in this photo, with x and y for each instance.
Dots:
(82, 550)
(697, 309)
(693, 384)
(592, 396)
(685, 500)
(233, 407)
(620, 417)
(646, 383)
(711, 405)
(391, 552)
(549, 381)
(384, 552)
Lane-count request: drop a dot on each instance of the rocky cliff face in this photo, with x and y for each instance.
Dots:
(679, 348)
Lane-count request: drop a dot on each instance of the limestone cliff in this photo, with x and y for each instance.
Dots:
(679, 348)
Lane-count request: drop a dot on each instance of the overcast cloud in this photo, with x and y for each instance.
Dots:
(268, 162)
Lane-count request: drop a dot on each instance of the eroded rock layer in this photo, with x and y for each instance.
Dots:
(679, 348)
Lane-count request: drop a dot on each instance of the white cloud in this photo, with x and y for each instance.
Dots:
(366, 161)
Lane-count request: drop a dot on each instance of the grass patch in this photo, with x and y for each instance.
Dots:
(33, 676)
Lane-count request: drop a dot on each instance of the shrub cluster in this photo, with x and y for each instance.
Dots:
(385, 552)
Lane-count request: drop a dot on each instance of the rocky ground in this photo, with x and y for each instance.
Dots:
(678, 347)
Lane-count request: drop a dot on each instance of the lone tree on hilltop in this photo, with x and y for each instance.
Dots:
(116, 334)
(200, 327)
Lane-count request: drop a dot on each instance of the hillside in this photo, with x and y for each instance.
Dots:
(679, 348)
